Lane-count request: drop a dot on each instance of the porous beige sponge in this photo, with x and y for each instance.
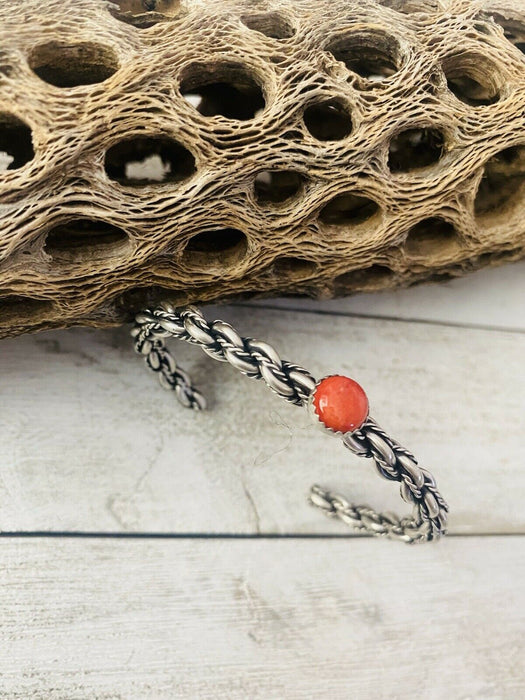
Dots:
(215, 149)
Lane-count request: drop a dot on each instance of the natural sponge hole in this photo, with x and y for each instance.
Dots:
(16, 146)
(224, 247)
(82, 240)
(372, 54)
(499, 256)
(67, 65)
(293, 268)
(143, 160)
(144, 13)
(328, 120)
(472, 79)
(430, 238)
(224, 89)
(373, 277)
(348, 209)
(138, 6)
(415, 148)
(20, 308)
(276, 186)
(514, 31)
(503, 182)
(271, 24)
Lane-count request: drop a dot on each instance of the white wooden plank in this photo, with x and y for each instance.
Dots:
(227, 619)
(490, 298)
(89, 441)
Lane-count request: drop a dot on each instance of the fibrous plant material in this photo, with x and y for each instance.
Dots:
(208, 150)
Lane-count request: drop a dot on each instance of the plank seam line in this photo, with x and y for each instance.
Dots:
(379, 317)
(43, 534)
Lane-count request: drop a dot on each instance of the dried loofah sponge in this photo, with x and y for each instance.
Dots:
(214, 149)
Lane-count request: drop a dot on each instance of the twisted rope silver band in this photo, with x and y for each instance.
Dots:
(259, 360)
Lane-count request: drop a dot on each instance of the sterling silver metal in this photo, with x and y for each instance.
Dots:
(295, 384)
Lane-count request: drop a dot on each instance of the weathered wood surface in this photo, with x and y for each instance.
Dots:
(236, 619)
(89, 441)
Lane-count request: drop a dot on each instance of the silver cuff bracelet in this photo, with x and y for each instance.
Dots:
(336, 403)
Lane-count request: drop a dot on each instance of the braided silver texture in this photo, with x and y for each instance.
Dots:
(395, 463)
(259, 360)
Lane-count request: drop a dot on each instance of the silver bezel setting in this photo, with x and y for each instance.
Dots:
(317, 420)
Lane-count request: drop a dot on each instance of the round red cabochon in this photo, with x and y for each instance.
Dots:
(340, 403)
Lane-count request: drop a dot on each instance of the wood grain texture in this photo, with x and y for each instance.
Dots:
(89, 441)
(237, 619)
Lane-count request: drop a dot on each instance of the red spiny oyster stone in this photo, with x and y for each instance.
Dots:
(340, 403)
